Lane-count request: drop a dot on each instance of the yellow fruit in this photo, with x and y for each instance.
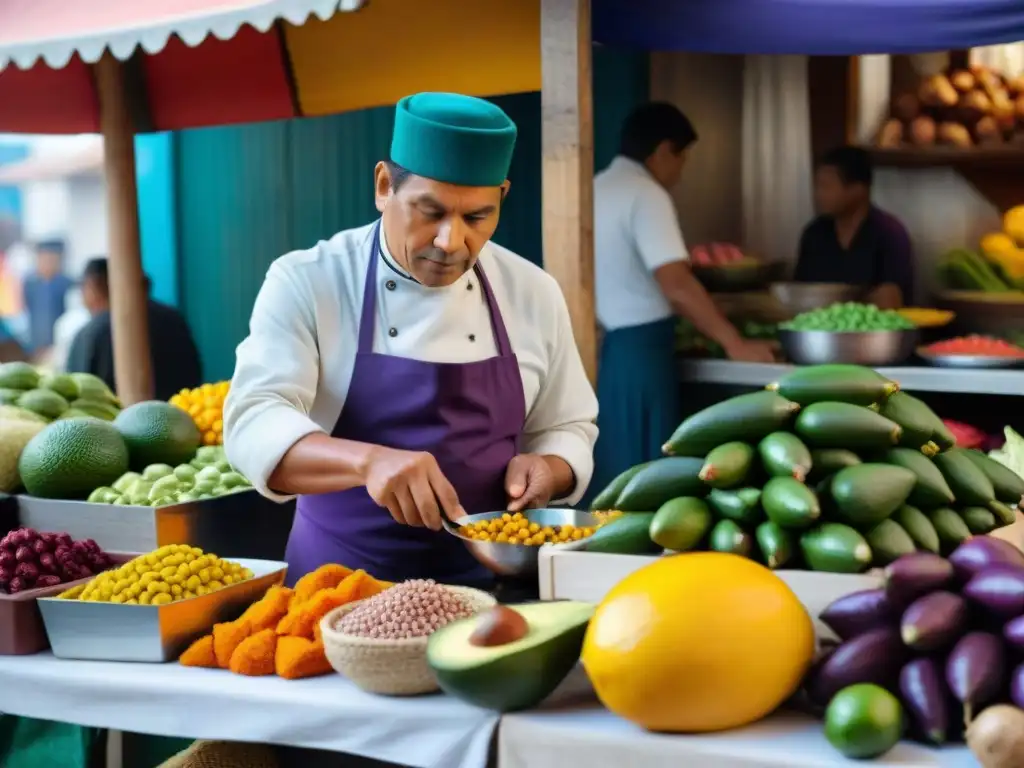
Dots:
(698, 642)
(996, 243)
(1013, 223)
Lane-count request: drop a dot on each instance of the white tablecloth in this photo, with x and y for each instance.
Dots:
(326, 713)
(593, 737)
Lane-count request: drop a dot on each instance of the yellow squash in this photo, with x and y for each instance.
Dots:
(698, 642)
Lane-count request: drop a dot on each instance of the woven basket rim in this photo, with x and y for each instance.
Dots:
(330, 634)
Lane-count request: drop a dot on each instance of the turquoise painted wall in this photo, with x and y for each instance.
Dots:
(156, 180)
(247, 194)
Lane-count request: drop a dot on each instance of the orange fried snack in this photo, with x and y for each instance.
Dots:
(269, 610)
(255, 655)
(200, 654)
(227, 637)
(303, 618)
(325, 577)
(298, 657)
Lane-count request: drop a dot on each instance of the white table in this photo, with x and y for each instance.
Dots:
(593, 737)
(326, 713)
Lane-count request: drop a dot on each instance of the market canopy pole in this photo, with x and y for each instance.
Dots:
(567, 140)
(133, 374)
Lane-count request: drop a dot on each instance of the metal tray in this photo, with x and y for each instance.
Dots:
(242, 524)
(153, 633)
(969, 361)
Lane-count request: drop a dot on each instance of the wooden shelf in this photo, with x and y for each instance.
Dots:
(979, 158)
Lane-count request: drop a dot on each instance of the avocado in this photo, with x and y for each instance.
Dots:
(746, 418)
(157, 433)
(979, 520)
(1008, 485)
(625, 535)
(869, 493)
(513, 675)
(742, 505)
(828, 461)
(727, 465)
(931, 488)
(18, 375)
(918, 527)
(843, 383)
(783, 454)
(661, 480)
(680, 524)
(841, 425)
(789, 503)
(606, 499)
(776, 544)
(952, 529)
(44, 402)
(888, 542)
(969, 484)
(835, 548)
(914, 416)
(728, 537)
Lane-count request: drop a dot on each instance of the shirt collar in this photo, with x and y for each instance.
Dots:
(623, 163)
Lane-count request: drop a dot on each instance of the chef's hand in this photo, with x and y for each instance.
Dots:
(411, 486)
(751, 351)
(531, 481)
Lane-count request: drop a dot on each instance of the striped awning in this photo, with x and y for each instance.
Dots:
(197, 63)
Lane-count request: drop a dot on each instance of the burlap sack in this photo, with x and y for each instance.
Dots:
(223, 754)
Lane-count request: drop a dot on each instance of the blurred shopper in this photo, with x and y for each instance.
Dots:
(45, 291)
(175, 357)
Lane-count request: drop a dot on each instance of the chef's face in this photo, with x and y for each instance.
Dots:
(436, 230)
(833, 196)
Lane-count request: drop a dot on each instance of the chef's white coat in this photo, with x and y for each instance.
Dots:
(293, 371)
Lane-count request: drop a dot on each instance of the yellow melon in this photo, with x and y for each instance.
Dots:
(698, 642)
(1013, 224)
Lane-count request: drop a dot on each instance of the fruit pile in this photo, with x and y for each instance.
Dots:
(832, 469)
(944, 637)
(516, 528)
(849, 317)
(205, 405)
(56, 396)
(32, 560)
(975, 346)
(280, 634)
(165, 575)
(207, 476)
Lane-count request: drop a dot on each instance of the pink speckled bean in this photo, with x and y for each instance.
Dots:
(414, 608)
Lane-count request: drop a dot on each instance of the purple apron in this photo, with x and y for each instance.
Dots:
(468, 415)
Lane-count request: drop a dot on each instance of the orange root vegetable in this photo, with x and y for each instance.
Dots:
(255, 655)
(325, 577)
(269, 610)
(298, 657)
(200, 654)
(227, 637)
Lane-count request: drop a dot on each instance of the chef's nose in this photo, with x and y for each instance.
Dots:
(451, 237)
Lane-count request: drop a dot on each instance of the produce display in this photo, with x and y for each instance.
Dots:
(516, 528)
(925, 317)
(718, 255)
(280, 634)
(207, 476)
(832, 468)
(16, 432)
(165, 575)
(1003, 249)
(205, 405)
(686, 644)
(958, 108)
(974, 346)
(56, 396)
(939, 643)
(690, 341)
(996, 269)
(849, 317)
(31, 560)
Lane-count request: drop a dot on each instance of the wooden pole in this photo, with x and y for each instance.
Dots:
(133, 373)
(567, 115)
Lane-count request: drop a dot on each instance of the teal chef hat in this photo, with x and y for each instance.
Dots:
(453, 138)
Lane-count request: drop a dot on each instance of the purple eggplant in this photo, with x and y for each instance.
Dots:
(914, 575)
(873, 657)
(934, 621)
(980, 552)
(975, 670)
(1017, 686)
(1013, 633)
(999, 590)
(857, 612)
(924, 694)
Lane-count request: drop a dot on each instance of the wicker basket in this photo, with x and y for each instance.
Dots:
(388, 667)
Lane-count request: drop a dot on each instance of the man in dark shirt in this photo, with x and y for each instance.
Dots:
(852, 241)
(175, 357)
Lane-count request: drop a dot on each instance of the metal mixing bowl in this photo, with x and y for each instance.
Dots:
(803, 297)
(517, 559)
(874, 348)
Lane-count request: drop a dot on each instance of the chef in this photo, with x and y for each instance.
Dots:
(411, 368)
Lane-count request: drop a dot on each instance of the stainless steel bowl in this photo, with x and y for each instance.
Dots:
(517, 559)
(873, 348)
(803, 297)
(738, 277)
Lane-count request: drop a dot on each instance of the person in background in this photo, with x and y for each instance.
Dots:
(176, 360)
(852, 241)
(643, 282)
(75, 317)
(45, 291)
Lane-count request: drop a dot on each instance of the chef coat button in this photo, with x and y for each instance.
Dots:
(472, 337)
(392, 332)
(469, 286)
(391, 285)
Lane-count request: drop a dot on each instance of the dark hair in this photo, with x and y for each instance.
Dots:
(649, 125)
(96, 269)
(53, 246)
(399, 175)
(853, 164)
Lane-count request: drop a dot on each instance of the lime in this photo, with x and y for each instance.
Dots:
(863, 721)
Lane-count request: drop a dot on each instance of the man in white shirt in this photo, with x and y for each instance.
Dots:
(411, 368)
(643, 281)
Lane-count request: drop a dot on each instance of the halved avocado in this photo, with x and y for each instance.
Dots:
(516, 675)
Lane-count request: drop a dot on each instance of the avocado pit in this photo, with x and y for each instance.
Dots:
(500, 625)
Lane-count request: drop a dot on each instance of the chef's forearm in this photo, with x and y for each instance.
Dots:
(319, 463)
(564, 477)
